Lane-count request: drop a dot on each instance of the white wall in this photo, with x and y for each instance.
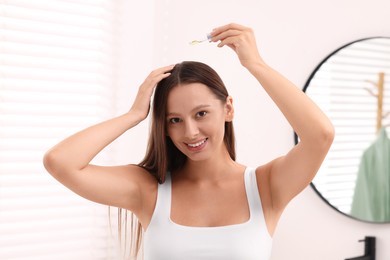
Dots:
(293, 36)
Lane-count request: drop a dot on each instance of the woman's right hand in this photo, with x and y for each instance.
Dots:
(141, 105)
(121, 186)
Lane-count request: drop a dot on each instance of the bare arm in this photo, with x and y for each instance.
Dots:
(121, 186)
(290, 174)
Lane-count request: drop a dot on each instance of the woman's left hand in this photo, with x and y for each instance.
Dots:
(241, 39)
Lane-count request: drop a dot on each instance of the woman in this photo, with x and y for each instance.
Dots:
(192, 199)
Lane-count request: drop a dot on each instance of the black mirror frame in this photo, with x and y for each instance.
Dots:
(296, 136)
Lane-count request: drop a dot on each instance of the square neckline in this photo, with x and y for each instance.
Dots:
(229, 226)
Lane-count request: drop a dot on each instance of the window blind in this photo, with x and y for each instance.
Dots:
(339, 87)
(56, 77)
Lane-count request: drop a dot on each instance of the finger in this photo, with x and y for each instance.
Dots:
(163, 76)
(230, 41)
(152, 81)
(225, 34)
(158, 74)
(162, 70)
(231, 26)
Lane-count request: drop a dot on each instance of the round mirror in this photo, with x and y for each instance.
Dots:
(352, 86)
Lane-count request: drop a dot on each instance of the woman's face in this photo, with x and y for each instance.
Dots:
(196, 119)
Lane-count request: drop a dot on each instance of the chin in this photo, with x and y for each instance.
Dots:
(200, 157)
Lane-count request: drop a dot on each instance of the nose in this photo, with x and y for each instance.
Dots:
(191, 129)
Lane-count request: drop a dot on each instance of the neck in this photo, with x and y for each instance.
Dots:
(212, 169)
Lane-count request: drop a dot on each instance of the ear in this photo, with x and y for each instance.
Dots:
(229, 109)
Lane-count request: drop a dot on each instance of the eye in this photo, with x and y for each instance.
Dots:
(174, 120)
(201, 114)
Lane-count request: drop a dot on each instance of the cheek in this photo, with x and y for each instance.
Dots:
(217, 129)
(175, 136)
(173, 133)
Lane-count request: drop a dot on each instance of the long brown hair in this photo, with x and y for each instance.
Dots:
(162, 155)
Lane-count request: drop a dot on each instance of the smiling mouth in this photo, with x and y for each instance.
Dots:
(198, 143)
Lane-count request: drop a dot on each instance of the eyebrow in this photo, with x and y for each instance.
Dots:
(194, 109)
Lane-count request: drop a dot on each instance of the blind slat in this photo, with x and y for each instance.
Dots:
(51, 86)
(56, 77)
(76, 7)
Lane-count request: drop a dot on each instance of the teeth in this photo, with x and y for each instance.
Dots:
(197, 144)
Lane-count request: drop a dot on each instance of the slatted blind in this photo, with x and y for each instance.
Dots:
(339, 87)
(56, 77)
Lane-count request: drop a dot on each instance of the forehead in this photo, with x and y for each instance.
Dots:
(185, 97)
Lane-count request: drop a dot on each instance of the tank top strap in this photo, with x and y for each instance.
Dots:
(252, 192)
(162, 208)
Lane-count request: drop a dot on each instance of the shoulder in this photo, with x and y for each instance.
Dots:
(139, 174)
(147, 186)
(263, 174)
(146, 182)
(131, 175)
(263, 178)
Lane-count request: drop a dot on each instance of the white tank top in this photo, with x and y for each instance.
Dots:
(166, 240)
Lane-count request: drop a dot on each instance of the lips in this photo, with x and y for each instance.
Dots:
(197, 146)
